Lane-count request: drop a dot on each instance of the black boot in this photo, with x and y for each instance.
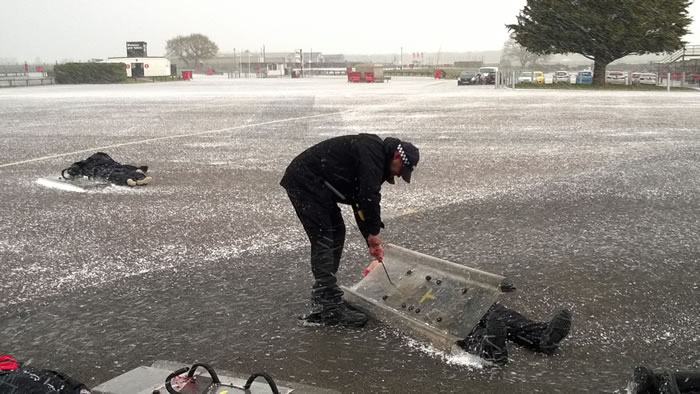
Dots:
(669, 385)
(335, 315)
(644, 381)
(557, 329)
(329, 309)
(351, 317)
(493, 345)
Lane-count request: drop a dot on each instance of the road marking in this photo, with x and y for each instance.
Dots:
(99, 148)
(60, 185)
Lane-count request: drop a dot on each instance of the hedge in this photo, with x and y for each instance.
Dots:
(71, 73)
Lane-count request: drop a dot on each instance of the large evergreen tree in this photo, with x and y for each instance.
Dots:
(602, 30)
(191, 49)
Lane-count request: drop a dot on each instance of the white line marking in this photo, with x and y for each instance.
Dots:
(59, 185)
(99, 148)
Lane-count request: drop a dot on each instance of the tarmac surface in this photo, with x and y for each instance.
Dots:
(588, 200)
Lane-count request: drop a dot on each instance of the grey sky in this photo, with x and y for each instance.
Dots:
(83, 29)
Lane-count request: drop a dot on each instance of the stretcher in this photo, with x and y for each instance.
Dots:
(427, 298)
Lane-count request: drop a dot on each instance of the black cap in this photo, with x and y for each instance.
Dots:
(409, 156)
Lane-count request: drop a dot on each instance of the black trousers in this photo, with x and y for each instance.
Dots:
(521, 330)
(324, 225)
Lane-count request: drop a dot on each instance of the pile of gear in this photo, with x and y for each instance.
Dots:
(101, 166)
(22, 378)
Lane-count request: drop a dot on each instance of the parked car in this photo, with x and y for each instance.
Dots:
(466, 78)
(561, 77)
(488, 75)
(647, 79)
(539, 77)
(486, 70)
(634, 77)
(616, 78)
(526, 77)
(584, 77)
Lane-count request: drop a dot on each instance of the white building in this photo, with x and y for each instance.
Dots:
(143, 66)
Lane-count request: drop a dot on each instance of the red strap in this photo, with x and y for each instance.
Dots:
(7, 363)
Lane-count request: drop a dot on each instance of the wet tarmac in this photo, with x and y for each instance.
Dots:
(586, 200)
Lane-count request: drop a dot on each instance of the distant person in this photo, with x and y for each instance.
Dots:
(499, 324)
(343, 170)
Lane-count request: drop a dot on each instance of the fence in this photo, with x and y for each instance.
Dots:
(26, 81)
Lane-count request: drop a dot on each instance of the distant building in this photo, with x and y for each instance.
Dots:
(139, 64)
(475, 64)
(272, 64)
(143, 66)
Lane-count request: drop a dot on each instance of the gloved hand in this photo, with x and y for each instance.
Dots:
(374, 243)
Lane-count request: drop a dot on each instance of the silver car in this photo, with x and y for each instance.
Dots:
(526, 77)
(561, 77)
(616, 78)
(647, 79)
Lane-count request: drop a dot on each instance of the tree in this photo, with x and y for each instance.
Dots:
(514, 51)
(602, 30)
(191, 49)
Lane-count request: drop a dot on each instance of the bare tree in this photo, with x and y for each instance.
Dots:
(514, 51)
(191, 49)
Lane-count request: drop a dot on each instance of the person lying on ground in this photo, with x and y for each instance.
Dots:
(500, 324)
(101, 166)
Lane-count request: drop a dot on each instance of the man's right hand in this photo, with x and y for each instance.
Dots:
(374, 243)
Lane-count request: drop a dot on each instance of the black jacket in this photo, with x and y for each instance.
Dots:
(347, 170)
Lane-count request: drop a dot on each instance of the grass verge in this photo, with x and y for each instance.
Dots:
(570, 86)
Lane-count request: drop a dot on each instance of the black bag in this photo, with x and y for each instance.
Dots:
(28, 380)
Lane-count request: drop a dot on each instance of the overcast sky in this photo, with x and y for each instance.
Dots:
(77, 30)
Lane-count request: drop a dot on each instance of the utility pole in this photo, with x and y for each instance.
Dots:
(311, 62)
(401, 65)
(234, 60)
